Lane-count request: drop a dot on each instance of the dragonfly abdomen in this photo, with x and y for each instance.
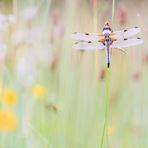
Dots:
(108, 57)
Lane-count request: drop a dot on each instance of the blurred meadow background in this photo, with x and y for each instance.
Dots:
(52, 96)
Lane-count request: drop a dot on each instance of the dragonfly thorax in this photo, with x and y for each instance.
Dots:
(106, 30)
(107, 37)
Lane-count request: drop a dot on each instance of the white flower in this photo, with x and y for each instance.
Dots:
(3, 24)
(2, 46)
(26, 67)
(11, 19)
(29, 13)
(2, 18)
(19, 36)
(2, 53)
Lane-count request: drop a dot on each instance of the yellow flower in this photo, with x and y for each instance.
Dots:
(9, 96)
(8, 120)
(110, 130)
(39, 91)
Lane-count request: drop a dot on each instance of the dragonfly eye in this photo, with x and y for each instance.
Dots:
(105, 28)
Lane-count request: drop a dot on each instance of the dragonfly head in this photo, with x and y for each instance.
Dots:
(107, 24)
(107, 28)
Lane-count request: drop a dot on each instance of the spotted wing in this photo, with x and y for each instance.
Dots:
(127, 43)
(82, 45)
(126, 33)
(87, 36)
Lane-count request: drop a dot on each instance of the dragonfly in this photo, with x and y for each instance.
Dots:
(108, 40)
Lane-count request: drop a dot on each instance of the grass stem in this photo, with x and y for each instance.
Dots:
(95, 20)
(105, 126)
(113, 12)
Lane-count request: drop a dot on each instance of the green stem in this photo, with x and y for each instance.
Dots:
(113, 12)
(105, 127)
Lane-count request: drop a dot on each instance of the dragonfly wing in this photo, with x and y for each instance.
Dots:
(126, 33)
(82, 45)
(127, 43)
(87, 36)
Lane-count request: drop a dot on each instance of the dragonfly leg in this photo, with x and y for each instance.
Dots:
(111, 51)
(120, 49)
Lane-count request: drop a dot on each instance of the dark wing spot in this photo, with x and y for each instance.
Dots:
(75, 33)
(86, 33)
(89, 42)
(136, 27)
(138, 38)
(125, 39)
(125, 30)
(76, 42)
(111, 30)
